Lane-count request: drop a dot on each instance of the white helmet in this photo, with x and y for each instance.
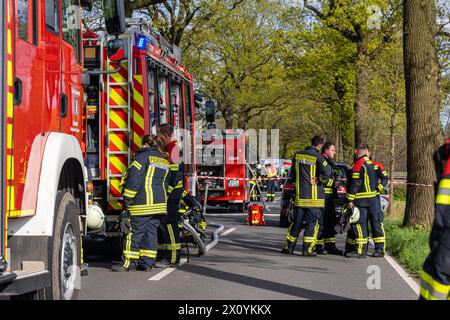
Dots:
(352, 214)
(259, 166)
(95, 217)
(355, 216)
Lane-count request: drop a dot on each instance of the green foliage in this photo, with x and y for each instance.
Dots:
(400, 193)
(408, 245)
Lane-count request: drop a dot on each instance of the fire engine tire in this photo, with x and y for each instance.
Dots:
(66, 249)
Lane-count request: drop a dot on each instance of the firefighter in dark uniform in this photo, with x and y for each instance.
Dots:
(309, 171)
(376, 220)
(145, 195)
(363, 193)
(326, 239)
(435, 275)
(169, 234)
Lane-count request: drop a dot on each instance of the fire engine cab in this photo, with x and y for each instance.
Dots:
(44, 202)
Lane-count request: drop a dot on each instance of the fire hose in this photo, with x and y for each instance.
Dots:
(203, 248)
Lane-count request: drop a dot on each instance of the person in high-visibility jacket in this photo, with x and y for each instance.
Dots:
(326, 239)
(309, 172)
(363, 192)
(145, 195)
(271, 174)
(435, 274)
(169, 234)
(376, 220)
(252, 182)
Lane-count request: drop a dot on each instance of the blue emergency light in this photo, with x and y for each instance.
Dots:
(141, 41)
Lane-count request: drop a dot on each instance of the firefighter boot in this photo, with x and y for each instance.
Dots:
(378, 254)
(309, 254)
(335, 251)
(120, 268)
(321, 251)
(354, 254)
(288, 248)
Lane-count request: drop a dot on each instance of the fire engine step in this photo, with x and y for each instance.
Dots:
(26, 281)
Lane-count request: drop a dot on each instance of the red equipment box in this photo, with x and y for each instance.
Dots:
(255, 215)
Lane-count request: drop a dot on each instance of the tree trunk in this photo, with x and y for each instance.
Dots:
(422, 108)
(362, 99)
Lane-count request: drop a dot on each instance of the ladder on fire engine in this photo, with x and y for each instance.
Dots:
(119, 88)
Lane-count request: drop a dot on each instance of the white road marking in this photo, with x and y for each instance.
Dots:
(401, 272)
(227, 232)
(166, 271)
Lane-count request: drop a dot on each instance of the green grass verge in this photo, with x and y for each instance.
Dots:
(408, 245)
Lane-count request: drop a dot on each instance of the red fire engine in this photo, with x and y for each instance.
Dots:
(149, 88)
(223, 165)
(48, 137)
(43, 198)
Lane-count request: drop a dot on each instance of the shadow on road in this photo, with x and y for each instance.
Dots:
(262, 284)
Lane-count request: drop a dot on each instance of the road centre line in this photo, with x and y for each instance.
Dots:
(166, 271)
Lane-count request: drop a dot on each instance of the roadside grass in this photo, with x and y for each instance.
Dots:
(408, 245)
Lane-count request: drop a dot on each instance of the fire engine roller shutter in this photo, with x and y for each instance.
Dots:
(2, 132)
(118, 133)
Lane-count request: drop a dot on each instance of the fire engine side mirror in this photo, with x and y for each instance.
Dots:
(114, 11)
(117, 50)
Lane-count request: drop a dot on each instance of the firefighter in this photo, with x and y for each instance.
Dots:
(146, 199)
(326, 239)
(169, 233)
(435, 275)
(363, 193)
(309, 171)
(376, 220)
(253, 189)
(271, 175)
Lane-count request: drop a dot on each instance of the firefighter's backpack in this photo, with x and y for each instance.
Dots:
(255, 215)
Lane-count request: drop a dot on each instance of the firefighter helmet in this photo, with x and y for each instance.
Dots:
(351, 212)
(95, 217)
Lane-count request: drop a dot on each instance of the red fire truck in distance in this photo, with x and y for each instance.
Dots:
(222, 162)
(149, 88)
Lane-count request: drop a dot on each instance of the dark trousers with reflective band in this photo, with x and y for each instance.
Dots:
(435, 275)
(327, 235)
(271, 188)
(376, 218)
(141, 243)
(312, 216)
(357, 236)
(169, 235)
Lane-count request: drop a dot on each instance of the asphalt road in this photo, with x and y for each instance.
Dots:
(247, 264)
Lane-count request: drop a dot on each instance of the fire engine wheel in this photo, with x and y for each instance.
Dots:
(66, 276)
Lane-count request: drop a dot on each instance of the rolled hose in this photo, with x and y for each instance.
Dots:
(202, 247)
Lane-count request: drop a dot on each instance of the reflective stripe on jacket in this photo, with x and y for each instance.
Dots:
(146, 186)
(307, 165)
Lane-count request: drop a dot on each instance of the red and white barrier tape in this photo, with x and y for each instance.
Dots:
(240, 179)
(265, 179)
(413, 184)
